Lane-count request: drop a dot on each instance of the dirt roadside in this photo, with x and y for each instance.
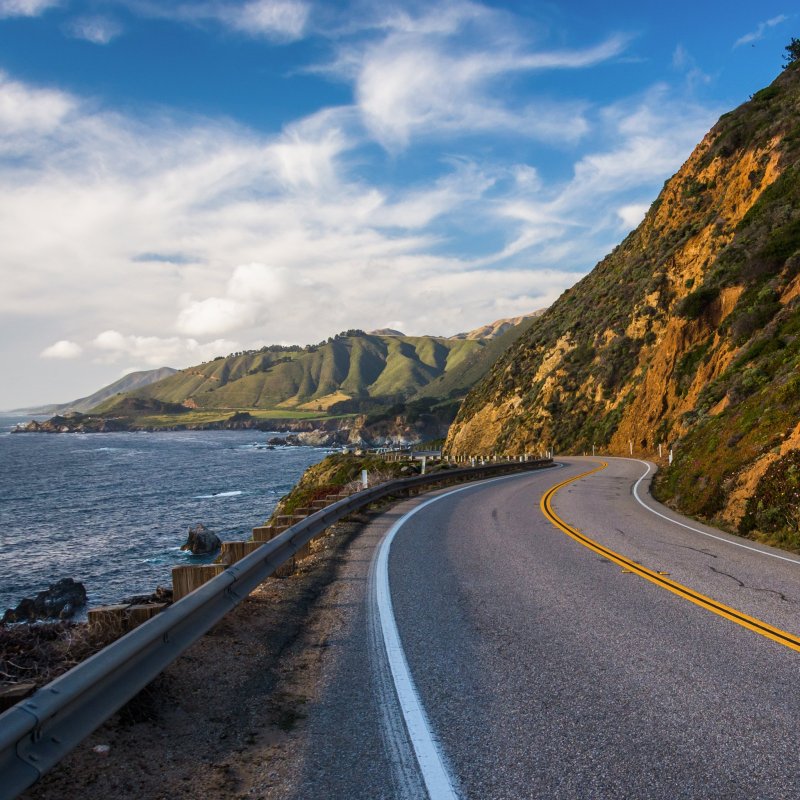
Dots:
(224, 720)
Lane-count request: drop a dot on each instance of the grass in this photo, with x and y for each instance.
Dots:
(205, 416)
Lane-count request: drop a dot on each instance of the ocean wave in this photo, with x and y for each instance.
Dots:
(218, 494)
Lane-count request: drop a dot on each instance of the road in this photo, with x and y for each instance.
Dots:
(528, 665)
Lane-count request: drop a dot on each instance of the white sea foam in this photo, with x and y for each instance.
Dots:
(218, 494)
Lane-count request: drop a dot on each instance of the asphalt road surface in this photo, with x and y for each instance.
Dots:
(527, 665)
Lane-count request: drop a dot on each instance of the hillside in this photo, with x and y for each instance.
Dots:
(687, 334)
(129, 382)
(497, 328)
(352, 365)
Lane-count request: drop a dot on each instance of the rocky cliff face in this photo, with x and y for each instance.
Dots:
(688, 327)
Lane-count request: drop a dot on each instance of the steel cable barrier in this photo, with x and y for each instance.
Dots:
(38, 732)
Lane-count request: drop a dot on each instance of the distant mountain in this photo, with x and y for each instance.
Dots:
(129, 382)
(350, 366)
(458, 381)
(386, 332)
(687, 335)
(497, 328)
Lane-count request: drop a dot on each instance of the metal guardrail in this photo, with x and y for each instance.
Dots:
(38, 732)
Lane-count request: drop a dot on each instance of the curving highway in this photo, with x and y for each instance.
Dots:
(505, 640)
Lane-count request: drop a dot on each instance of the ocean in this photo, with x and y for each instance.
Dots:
(112, 509)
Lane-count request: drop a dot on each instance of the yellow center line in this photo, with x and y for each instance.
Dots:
(732, 614)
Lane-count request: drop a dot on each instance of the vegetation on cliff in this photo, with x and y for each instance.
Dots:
(687, 334)
(336, 472)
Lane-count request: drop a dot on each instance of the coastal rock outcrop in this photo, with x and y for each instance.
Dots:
(202, 541)
(59, 601)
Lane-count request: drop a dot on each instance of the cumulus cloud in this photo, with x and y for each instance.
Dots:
(111, 346)
(25, 8)
(27, 111)
(97, 30)
(761, 29)
(181, 238)
(250, 294)
(62, 349)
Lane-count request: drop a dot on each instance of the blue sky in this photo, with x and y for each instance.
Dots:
(182, 180)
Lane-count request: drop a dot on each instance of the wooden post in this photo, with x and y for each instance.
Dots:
(186, 579)
(108, 619)
(231, 552)
(138, 614)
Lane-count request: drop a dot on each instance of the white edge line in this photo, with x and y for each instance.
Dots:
(437, 779)
(697, 530)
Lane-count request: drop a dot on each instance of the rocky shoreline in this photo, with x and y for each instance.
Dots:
(356, 431)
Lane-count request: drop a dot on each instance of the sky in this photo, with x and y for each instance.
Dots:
(181, 180)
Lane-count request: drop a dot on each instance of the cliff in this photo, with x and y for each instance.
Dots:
(685, 335)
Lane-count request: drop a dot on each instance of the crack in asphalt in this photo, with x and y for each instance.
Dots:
(782, 596)
(696, 549)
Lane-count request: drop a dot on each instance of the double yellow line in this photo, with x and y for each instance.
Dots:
(755, 625)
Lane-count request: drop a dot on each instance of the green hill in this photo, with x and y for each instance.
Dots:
(350, 366)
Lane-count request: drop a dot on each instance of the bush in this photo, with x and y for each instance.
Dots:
(694, 305)
(775, 504)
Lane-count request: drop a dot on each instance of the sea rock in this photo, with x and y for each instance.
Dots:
(202, 541)
(162, 594)
(317, 438)
(59, 601)
(277, 440)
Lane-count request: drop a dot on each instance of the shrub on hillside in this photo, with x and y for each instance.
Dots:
(774, 507)
(694, 305)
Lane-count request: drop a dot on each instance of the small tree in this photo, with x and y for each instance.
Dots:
(792, 53)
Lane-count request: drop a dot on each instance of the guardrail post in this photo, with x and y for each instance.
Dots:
(186, 579)
(231, 552)
(138, 614)
(109, 619)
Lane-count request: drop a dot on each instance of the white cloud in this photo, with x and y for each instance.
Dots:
(152, 351)
(760, 30)
(684, 62)
(274, 20)
(62, 349)
(445, 71)
(26, 8)
(631, 215)
(282, 19)
(26, 112)
(97, 30)
(165, 231)
(637, 145)
(251, 293)
(405, 91)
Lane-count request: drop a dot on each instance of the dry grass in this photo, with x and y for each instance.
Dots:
(40, 652)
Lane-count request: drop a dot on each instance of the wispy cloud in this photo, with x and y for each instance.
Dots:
(97, 30)
(277, 20)
(639, 142)
(683, 61)
(761, 29)
(160, 238)
(26, 8)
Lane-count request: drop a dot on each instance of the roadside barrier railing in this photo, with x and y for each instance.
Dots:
(38, 732)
